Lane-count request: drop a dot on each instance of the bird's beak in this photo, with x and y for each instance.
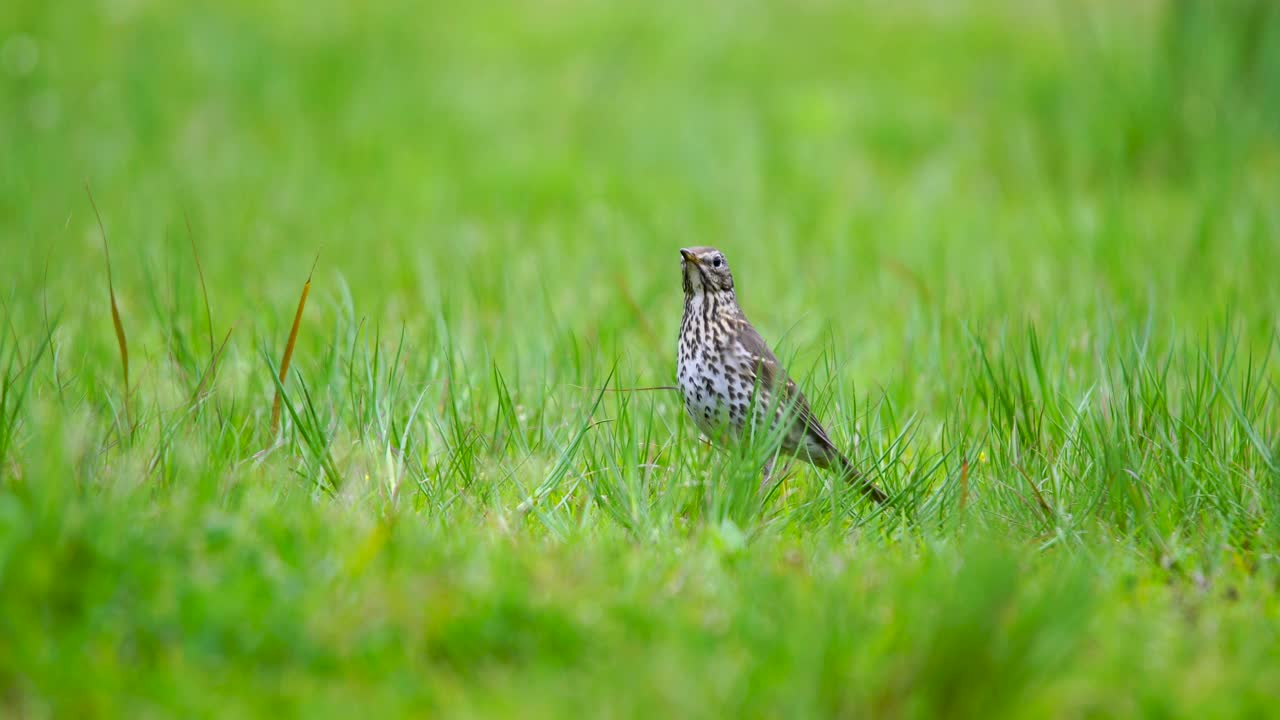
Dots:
(689, 257)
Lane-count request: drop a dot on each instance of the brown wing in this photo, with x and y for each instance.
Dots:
(770, 374)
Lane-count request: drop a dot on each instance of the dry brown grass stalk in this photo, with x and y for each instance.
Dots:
(115, 310)
(288, 349)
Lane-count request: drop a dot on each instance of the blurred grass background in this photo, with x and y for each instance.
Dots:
(1023, 256)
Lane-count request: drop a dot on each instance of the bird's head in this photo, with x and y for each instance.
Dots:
(705, 271)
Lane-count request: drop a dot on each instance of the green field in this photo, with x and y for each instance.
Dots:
(1022, 256)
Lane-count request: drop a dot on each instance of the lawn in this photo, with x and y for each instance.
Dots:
(1022, 256)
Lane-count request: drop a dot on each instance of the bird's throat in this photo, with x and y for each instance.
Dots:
(708, 308)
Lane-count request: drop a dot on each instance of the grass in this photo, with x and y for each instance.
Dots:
(1022, 256)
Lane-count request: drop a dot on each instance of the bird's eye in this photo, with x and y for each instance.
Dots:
(717, 262)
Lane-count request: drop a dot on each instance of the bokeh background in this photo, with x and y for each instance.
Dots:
(958, 157)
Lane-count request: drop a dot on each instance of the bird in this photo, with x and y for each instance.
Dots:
(732, 382)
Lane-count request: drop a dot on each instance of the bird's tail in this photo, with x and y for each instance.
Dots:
(843, 465)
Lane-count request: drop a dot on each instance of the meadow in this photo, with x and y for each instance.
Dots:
(1022, 256)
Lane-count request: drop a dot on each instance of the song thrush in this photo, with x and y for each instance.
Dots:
(732, 382)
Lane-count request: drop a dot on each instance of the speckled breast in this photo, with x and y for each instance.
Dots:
(715, 389)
